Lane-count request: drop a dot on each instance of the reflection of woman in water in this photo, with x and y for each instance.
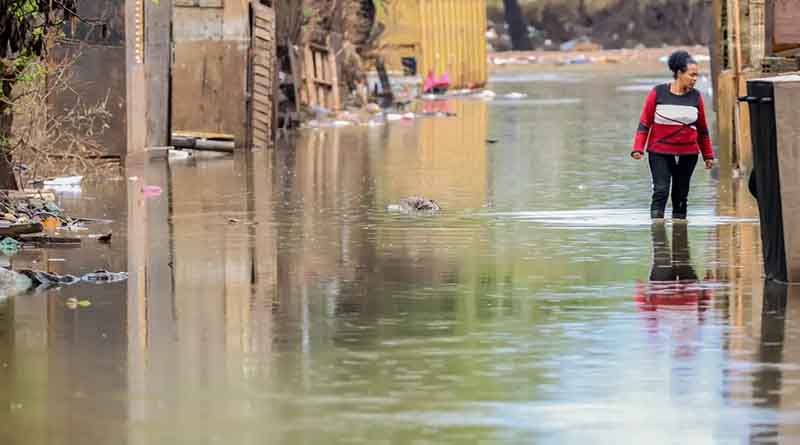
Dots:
(673, 286)
(673, 281)
(673, 130)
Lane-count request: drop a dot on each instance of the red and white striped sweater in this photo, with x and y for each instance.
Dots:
(673, 124)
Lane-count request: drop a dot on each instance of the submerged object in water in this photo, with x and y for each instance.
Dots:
(414, 204)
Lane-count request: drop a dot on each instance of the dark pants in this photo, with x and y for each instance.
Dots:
(666, 170)
(671, 264)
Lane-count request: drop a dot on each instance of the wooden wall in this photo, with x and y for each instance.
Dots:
(209, 92)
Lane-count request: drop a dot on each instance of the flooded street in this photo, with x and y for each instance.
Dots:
(273, 299)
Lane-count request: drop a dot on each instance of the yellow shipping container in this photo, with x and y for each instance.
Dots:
(441, 35)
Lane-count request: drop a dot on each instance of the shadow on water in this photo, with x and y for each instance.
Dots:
(272, 297)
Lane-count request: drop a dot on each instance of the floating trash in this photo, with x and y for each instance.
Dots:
(414, 204)
(9, 245)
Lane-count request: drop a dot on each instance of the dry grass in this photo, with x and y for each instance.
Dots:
(47, 142)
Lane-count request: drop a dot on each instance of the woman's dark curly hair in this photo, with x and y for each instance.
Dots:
(679, 62)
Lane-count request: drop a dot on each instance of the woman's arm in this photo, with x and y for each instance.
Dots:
(645, 123)
(703, 137)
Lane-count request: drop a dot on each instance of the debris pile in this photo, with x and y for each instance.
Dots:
(18, 282)
(33, 218)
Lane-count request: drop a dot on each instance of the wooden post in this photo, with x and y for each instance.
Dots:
(769, 27)
(715, 50)
(136, 83)
(158, 64)
(309, 74)
(333, 45)
(737, 29)
(737, 71)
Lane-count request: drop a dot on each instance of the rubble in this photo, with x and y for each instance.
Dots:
(34, 219)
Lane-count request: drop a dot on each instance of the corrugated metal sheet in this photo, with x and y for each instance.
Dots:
(442, 35)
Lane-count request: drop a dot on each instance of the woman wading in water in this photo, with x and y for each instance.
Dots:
(673, 130)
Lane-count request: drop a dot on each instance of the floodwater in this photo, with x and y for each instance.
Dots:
(272, 299)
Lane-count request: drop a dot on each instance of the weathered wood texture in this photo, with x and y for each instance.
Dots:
(714, 49)
(756, 33)
(787, 115)
(262, 79)
(136, 83)
(743, 141)
(208, 93)
(197, 24)
(158, 60)
(320, 74)
(787, 24)
(726, 97)
(212, 41)
(208, 87)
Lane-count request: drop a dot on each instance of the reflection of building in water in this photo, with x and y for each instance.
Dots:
(773, 378)
(200, 295)
(61, 370)
(444, 159)
(738, 259)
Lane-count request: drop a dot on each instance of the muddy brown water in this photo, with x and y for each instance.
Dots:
(272, 299)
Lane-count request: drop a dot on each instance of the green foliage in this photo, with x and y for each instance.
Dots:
(24, 25)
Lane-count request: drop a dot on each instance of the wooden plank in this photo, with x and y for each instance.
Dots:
(737, 33)
(756, 32)
(264, 34)
(319, 47)
(787, 16)
(136, 85)
(236, 20)
(744, 143)
(769, 27)
(262, 93)
(334, 45)
(262, 114)
(210, 86)
(787, 114)
(262, 76)
(197, 4)
(158, 62)
(323, 83)
(262, 71)
(308, 76)
(715, 50)
(725, 139)
(45, 195)
(192, 24)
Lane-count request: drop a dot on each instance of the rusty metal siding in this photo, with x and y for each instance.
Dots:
(442, 34)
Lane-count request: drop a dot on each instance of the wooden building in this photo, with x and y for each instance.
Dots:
(752, 38)
(218, 84)
(438, 35)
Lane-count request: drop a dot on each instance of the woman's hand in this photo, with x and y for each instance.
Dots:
(637, 155)
(709, 164)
